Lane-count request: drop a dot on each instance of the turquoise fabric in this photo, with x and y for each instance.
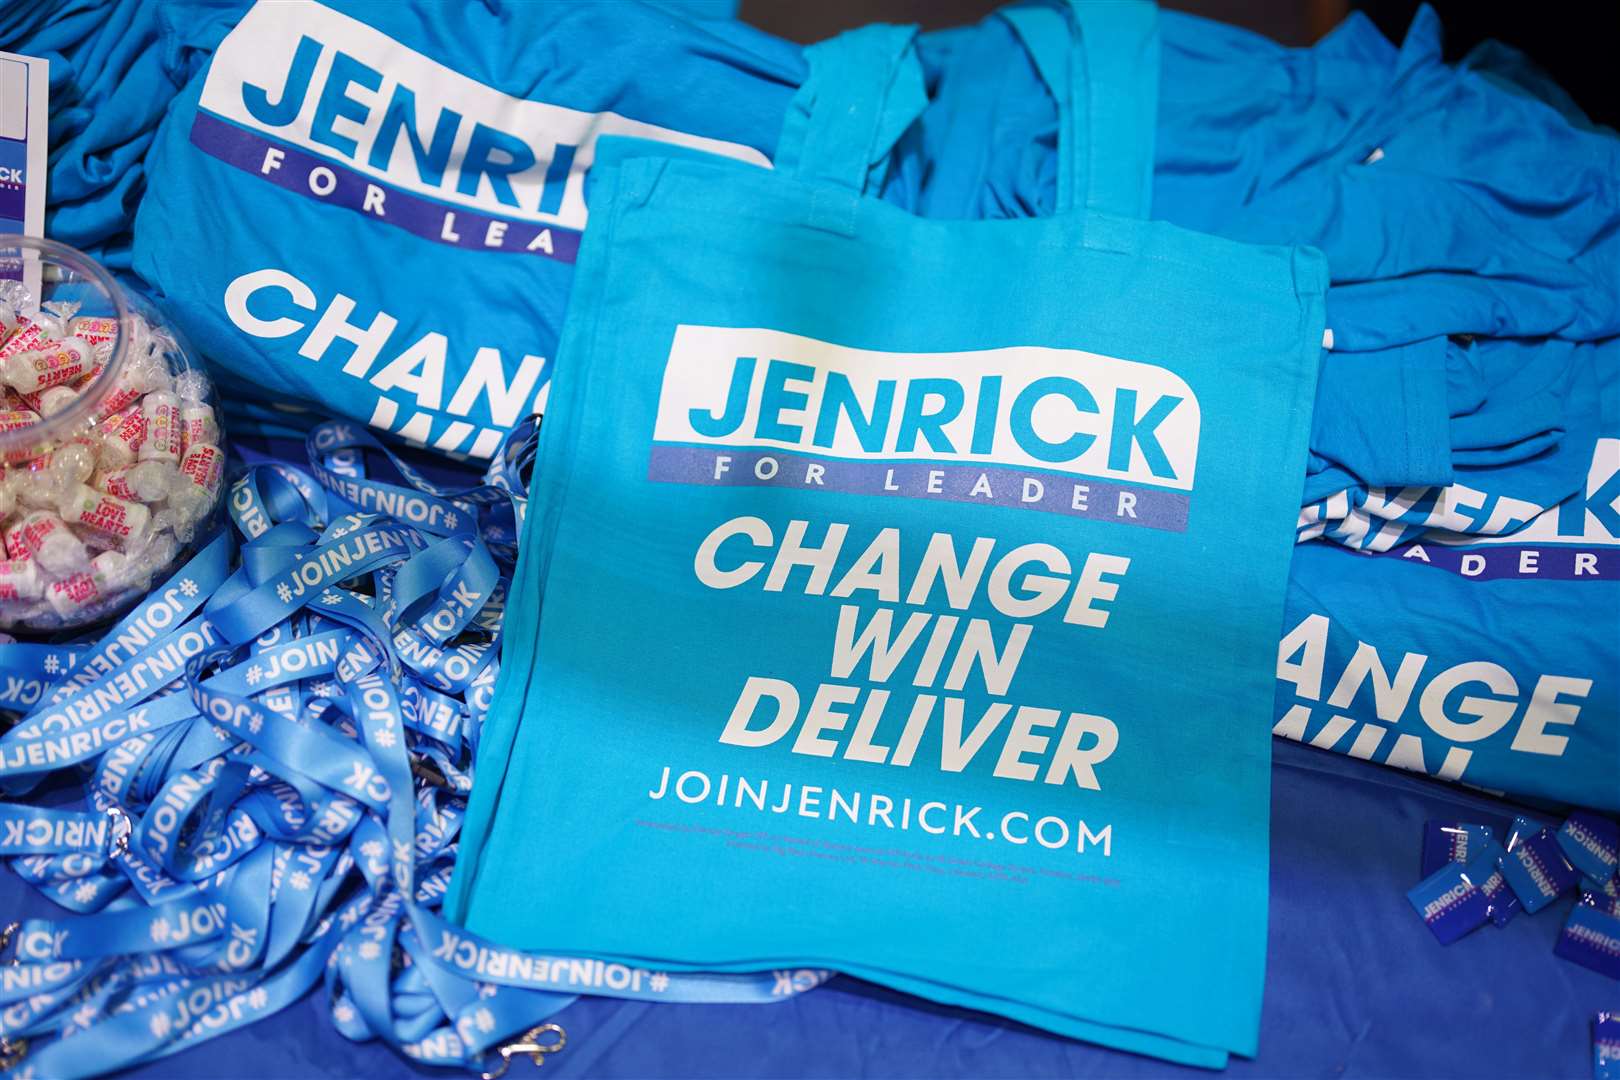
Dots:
(424, 166)
(1485, 650)
(1155, 384)
(114, 66)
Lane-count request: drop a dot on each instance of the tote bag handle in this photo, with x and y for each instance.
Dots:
(1100, 60)
(864, 89)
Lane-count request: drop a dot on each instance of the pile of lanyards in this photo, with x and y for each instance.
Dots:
(273, 753)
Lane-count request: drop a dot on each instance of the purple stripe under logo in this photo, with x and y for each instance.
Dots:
(1519, 562)
(337, 185)
(1084, 497)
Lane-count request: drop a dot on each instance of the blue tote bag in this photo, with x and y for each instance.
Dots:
(910, 587)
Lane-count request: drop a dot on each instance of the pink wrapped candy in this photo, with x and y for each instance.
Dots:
(56, 364)
(19, 580)
(163, 436)
(114, 517)
(95, 503)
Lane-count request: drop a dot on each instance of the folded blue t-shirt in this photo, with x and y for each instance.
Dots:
(1402, 169)
(1487, 649)
(1526, 418)
(440, 156)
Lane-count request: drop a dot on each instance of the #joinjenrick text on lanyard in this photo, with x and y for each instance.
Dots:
(278, 743)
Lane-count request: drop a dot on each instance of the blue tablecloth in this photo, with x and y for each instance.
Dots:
(1356, 986)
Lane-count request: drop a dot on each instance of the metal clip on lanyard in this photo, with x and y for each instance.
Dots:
(530, 1044)
(119, 828)
(11, 1051)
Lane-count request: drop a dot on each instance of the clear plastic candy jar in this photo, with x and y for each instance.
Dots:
(111, 450)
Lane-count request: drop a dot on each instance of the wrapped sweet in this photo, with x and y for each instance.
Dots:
(110, 446)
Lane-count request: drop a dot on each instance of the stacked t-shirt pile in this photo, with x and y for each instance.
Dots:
(1467, 426)
(1468, 429)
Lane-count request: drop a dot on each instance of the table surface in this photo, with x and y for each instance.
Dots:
(1356, 986)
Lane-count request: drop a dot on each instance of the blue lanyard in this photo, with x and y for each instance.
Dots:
(275, 749)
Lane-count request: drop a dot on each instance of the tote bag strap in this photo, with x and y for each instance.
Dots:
(1100, 60)
(864, 89)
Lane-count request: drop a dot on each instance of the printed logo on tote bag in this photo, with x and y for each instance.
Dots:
(1058, 430)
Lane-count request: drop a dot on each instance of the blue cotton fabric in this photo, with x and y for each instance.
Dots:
(1418, 180)
(1471, 413)
(1333, 889)
(114, 68)
(1463, 273)
(1493, 633)
(430, 304)
(831, 284)
(1470, 216)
